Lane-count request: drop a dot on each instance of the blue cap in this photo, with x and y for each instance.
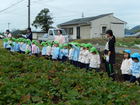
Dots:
(127, 51)
(135, 55)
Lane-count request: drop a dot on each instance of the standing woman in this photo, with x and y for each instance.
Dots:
(29, 34)
(110, 51)
(60, 38)
(8, 34)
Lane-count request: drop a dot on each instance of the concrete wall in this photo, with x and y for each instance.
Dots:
(107, 21)
(118, 30)
(85, 32)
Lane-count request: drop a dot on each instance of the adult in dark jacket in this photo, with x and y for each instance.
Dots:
(110, 51)
(29, 34)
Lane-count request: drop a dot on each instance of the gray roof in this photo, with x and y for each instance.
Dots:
(84, 20)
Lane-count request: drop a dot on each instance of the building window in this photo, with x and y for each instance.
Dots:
(69, 31)
(104, 28)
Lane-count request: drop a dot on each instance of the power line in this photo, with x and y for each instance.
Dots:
(36, 1)
(3, 10)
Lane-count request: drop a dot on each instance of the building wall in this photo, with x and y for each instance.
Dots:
(37, 35)
(85, 32)
(118, 30)
(97, 25)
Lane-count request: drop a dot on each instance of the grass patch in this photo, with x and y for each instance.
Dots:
(120, 42)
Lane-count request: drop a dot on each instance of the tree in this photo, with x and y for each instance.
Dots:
(43, 20)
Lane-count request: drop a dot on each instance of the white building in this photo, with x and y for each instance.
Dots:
(94, 27)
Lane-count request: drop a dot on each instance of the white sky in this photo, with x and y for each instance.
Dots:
(65, 10)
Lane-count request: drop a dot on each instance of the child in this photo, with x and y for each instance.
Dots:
(94, 59)
(23, 46)
(49, 49)
(70, 56)
(76, 52)
(5, 43)
(17, 46)
(20, 44)
(35, 48)
(44, 49)
(61, 52)
(8, 46)
(126, 64)
(12, 44)
(28, 47)
(135, 67)
(80, 64)
(38, 49)
(65, 52)
(52, 48)
(55, 51)
(84, 56)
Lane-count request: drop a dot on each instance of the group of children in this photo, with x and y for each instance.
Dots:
(130, 67)
(81, 55)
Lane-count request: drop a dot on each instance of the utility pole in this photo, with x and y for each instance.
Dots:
(29, 13)
(83, 15)
(9, 26)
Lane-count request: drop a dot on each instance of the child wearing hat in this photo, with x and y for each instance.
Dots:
(12, 44)
(80, 64)
(28, 46)
(76, 52)
(55, 51)
(65, 52)
(49, 50)
(85, 56)
(135, 67)
(5, 42)
(70, 55)
(8, 44)
(17, 46)
(61, 46)
(23, 46)
(94, 59)
(44, 49)
(126, 64)
(35, 48)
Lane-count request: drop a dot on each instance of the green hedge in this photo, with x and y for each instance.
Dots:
(27, 80)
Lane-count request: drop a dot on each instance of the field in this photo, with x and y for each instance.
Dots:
(121, 42)
(28, 80)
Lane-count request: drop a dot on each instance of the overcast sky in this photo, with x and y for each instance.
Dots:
(65, 10)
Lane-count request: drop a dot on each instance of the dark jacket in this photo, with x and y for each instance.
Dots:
(111, 47)
(29, 36)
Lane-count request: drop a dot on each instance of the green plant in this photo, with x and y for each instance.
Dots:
(28, 80)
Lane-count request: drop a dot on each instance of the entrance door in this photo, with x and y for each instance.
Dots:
(78, 32)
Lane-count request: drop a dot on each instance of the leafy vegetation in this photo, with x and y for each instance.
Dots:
(28, 80)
